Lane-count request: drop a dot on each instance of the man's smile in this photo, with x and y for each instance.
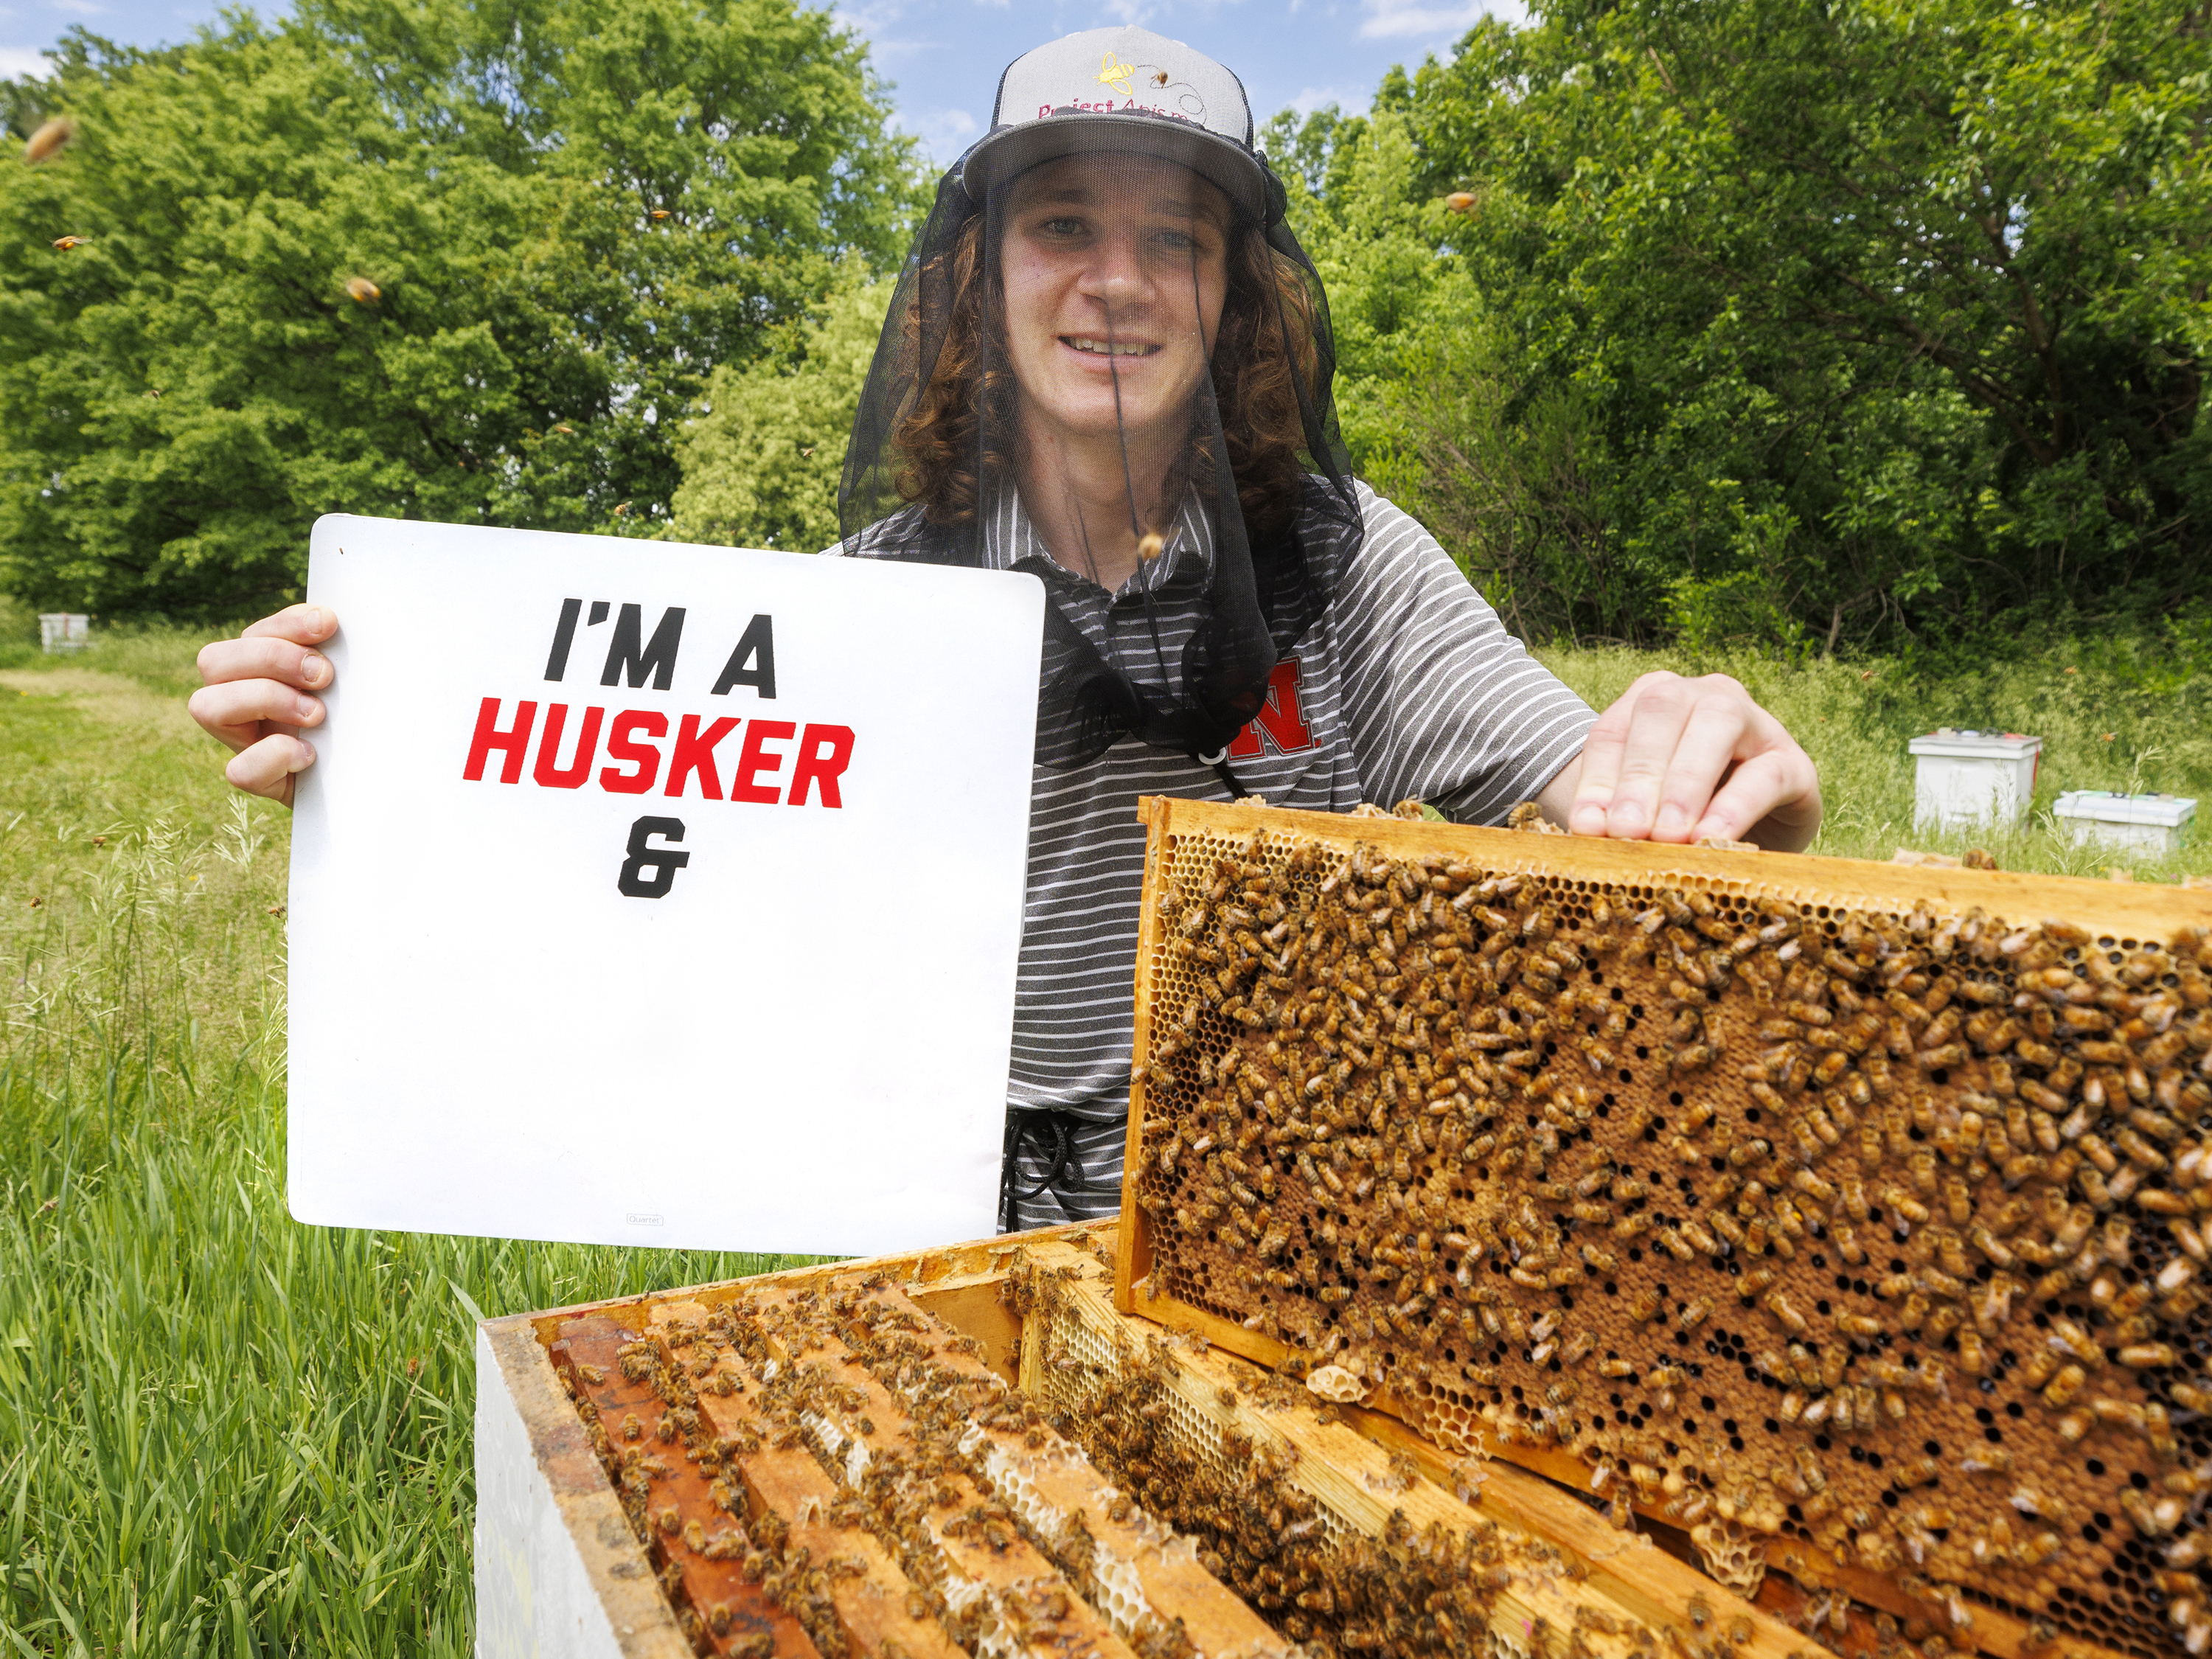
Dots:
(1085, 342)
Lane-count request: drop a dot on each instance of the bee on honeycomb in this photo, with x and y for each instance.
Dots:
(1817, 1223)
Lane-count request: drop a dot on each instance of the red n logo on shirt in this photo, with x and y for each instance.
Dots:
(1282, 720)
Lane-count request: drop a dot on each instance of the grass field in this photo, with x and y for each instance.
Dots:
(219, 1432)
(222, 1432)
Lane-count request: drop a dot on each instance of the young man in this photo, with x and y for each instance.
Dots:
(1108, 362)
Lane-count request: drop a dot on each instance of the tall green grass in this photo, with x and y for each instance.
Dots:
(2130, 715)
(224, 1433)
(219, 1432)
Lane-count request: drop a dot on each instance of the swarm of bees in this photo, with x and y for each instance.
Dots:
(836, 1460)
(1879, 1232)
(1334, 1591)
(798, 1462)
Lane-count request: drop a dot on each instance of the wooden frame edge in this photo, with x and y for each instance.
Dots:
(1133, 1244)
(615, 1564)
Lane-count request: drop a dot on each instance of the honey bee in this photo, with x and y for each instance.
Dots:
(48, 141)
(2061, 1389)
(1749, 1285)
(1777, 1302)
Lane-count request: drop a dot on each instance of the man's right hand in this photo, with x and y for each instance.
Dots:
(258, 694)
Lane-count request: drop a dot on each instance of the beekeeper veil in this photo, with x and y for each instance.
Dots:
(1107, 355)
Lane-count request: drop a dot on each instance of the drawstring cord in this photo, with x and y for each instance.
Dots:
(1219, 763)
(1024, 1123)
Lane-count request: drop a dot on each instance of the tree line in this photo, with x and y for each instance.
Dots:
(1829, 323)
(1821, 321)
(466, 260)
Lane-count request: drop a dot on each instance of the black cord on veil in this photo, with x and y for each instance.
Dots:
(938, 450)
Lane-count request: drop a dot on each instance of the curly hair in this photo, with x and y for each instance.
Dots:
(1256, 375)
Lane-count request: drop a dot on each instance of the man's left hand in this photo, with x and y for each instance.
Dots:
(1688, 760)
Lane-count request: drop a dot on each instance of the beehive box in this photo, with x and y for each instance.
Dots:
(1965, 779)
(970, 1450)
(1844, 1215)
(2143, 823)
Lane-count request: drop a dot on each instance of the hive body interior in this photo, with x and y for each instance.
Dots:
(1792, 1211)
(824, 1466)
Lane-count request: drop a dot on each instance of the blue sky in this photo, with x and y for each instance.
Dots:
(946, 55)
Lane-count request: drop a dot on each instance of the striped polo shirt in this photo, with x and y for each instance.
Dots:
(1406, 685)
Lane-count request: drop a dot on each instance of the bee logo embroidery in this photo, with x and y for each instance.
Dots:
(1115, 74)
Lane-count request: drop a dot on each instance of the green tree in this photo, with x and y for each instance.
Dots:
(762, 461)
(1813, 318)
(468, 263)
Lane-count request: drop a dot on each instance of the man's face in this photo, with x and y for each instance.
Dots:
(1114, 267)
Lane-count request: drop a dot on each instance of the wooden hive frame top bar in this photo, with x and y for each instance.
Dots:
(1572, 1588)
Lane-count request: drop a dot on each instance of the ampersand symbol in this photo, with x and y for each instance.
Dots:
(663, 862)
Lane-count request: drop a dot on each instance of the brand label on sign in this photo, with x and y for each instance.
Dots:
(637, 872)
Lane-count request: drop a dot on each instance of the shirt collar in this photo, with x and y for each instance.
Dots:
(1010, 541)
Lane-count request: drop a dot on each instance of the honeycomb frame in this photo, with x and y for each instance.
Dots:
(2087, 1534)
(786, 1463)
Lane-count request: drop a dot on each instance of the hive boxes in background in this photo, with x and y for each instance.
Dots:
(1964, 779)
(2134, 823)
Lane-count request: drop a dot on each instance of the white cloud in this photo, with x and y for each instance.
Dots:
(80, 8)
(24, 60)
(870, 18)
(1395, 20)
(1354, 95)
(944, 132)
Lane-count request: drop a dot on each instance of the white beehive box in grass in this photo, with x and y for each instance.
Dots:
(60, 631)
(1967, 779)
(2146, 823)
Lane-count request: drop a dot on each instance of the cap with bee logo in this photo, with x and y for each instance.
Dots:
(1127, 89)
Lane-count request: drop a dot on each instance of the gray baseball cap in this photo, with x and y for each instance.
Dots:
(1124, 89)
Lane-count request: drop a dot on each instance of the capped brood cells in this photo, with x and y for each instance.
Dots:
(1857, 1207)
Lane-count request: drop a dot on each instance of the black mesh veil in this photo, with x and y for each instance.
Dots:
(1094, 341)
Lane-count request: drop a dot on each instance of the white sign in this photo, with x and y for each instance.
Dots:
(646, 894)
